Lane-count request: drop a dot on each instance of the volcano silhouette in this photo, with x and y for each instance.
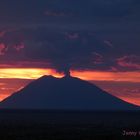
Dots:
(67, 93)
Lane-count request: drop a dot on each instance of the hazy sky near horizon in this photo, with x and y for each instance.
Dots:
(101, 36)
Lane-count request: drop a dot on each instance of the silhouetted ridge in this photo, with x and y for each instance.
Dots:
(67, 93)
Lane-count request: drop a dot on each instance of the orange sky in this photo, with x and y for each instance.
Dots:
(12, 79)
(34, 73)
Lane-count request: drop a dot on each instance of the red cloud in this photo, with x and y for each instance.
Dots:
(131, 61)
(98, 58)
(2, 33)
(2, 49)
(19, 47)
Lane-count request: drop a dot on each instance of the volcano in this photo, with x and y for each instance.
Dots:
(67, 93)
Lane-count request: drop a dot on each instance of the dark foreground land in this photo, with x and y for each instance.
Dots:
(64, 125)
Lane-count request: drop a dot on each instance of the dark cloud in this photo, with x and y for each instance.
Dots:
(65, 34)
(63, 49)
(34, 10)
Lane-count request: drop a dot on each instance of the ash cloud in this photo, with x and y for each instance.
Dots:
(67, 50)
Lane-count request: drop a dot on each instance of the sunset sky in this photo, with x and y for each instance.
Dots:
(97, 40)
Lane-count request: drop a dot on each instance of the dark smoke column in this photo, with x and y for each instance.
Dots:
(67, 73)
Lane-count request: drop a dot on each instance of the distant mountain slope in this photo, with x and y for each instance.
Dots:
(64, 93)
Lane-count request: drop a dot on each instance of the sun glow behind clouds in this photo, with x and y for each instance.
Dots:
(34, 73)
(27, 73)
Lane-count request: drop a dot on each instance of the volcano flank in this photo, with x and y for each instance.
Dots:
(67, 93)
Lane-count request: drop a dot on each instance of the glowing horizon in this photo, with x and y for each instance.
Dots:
(108, 76)
(34, 73)
(28, 73)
